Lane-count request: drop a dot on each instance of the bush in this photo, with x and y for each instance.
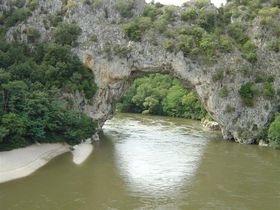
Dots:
(125, 8)
(17, 16)
(32, 4)
(274, 134)
(185, 44)
(223, 92)
(19, 3)
(132, 31)
(208, 45)
(251, 57)
(218, 75)
(226, 45)
(247, 94)
(268, 90)
(169, 13)
(66, 33)
(274, 45)
(152, 11)
(33, 34)
(169, 46)
(189, 15)
(169, 33)
(275, 3)
(207, 20)
(121, 50)
(161, 25)
(229, 108)
(200, 3)
(236, 31)
(143, 23)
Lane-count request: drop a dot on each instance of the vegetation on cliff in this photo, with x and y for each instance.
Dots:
(34, 77)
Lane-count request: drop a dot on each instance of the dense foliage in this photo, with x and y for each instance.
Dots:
(274, 134)
(161, 95)
(33, 78)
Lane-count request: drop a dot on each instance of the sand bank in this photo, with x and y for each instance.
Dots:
(24, 161)
(82, 151)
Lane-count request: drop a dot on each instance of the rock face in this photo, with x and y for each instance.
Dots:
(114, 73)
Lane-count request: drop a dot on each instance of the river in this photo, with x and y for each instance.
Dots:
(148, 162)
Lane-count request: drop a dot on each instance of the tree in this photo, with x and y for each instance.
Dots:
(16, 127)
(66, 33)
(273, 133)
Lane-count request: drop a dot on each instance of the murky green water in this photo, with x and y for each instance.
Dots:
(145, 162)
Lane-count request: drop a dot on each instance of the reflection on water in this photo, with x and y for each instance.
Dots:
(155, 157)
(145, 162)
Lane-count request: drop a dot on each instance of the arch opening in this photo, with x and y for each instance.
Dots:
(161, 94)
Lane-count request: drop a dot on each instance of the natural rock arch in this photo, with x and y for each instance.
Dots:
(114, 77)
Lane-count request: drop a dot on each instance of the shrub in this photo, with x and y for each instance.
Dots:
(249, 46)
(143, 23)
(274, 45)
(169, 33)
(66, 33)
(132, 31)
(97, 3)
(251, 57)
(33, 34)
(189, 15)
(152, 11)
(125, 8)
(223, 92)
(121, 50)
(268, 90)
(169, 13)
(19, 3)
(229, 108)
(201, 3)
(207, 20)
(275, 3)
(93, 38)
(245, 69)
(274, 134)
(208, 44)
(161, 24)
(17, 16)
(169, 46)
(218, 75)
(32, 4)
(247, 94)
(185, 44)
(236, 31)
(226, 45)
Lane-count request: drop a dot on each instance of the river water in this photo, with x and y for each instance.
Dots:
(148, 162)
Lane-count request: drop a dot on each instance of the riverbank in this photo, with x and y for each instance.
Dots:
(22, 162)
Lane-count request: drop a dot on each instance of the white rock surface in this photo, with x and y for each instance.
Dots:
(82, 151)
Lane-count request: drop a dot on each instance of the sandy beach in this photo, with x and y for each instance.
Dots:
(24, 161)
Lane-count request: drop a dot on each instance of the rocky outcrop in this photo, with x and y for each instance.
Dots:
(114, 73)
(211, 125)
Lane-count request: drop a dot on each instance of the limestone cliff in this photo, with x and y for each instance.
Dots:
(114, 73)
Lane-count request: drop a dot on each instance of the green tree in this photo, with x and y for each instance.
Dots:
(66, 33)
(16, 127)
(189, 15)
(247, 94)
(274, 133)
